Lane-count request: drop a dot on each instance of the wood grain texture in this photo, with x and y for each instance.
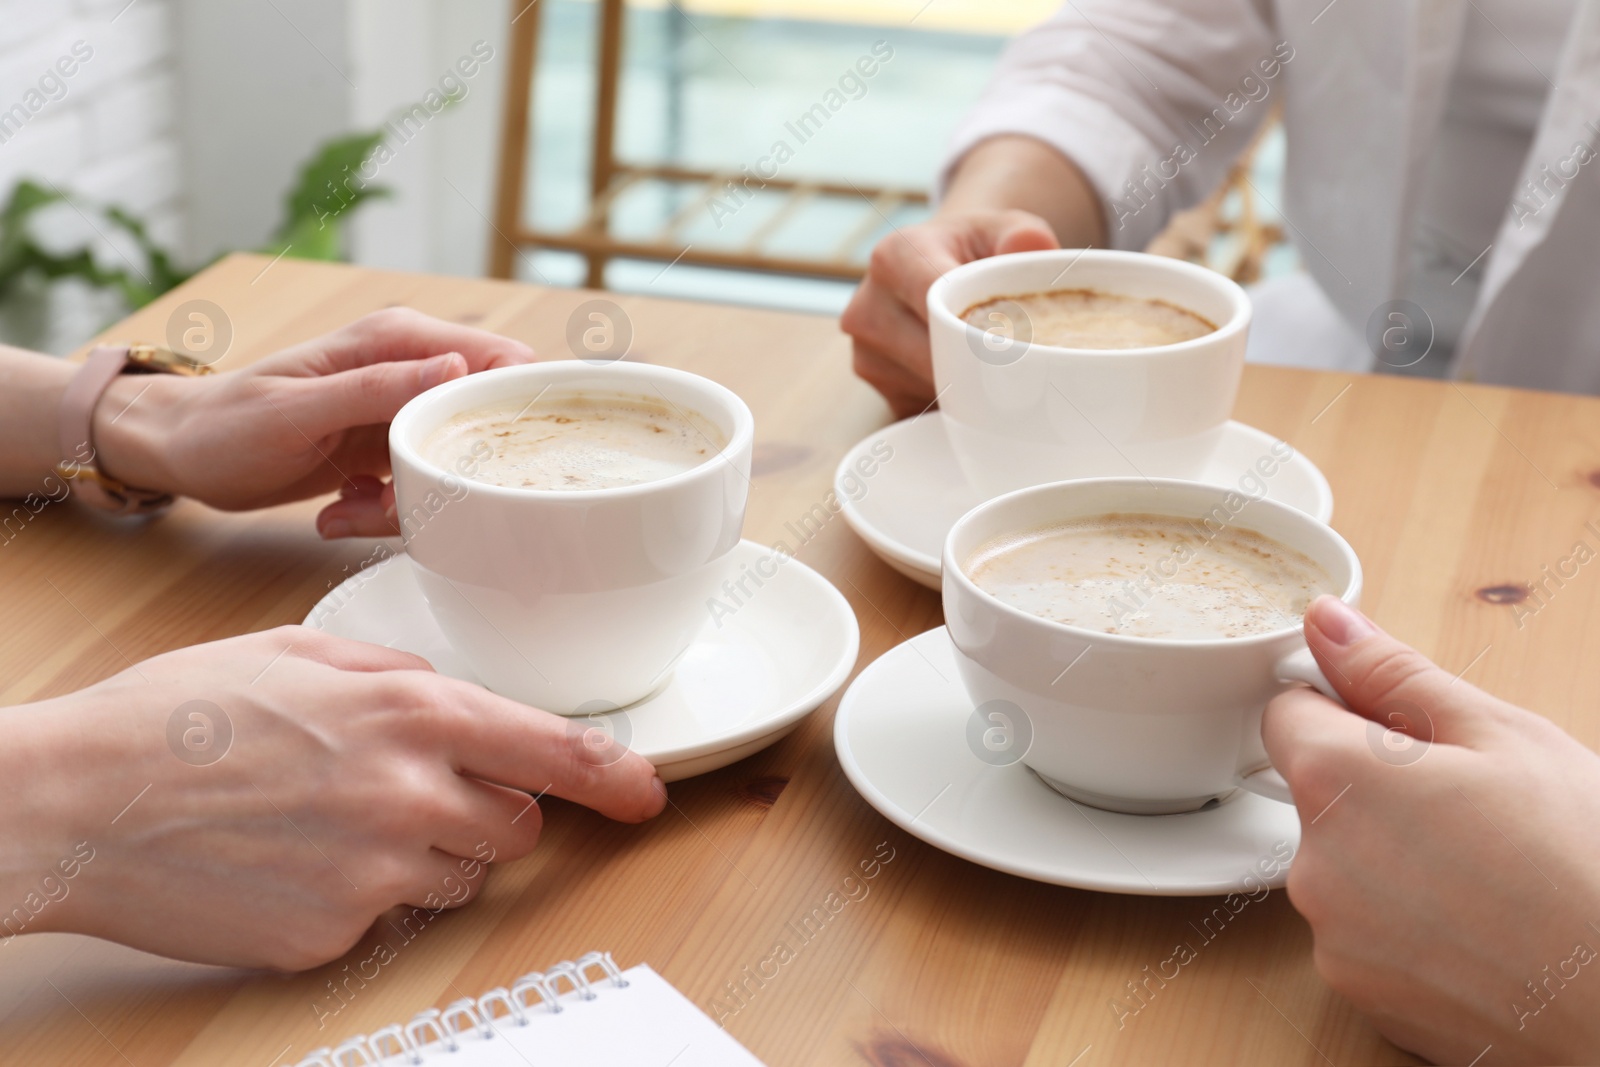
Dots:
(1445, 491)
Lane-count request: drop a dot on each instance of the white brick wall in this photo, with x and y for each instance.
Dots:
(111, 136)
(197, 114)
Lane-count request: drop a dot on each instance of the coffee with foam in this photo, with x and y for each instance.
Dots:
(1084, 318)
(1151, 576)
(574, 441)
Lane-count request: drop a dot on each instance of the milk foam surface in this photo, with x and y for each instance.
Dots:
(1083, 318)
(1151, 576)
(574, 442)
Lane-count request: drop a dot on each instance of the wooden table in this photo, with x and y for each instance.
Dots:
(1455, 497)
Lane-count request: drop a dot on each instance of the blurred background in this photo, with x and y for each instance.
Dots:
(632, 145)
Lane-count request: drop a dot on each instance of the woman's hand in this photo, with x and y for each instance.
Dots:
(888, 315)
(1450, 863)
(303, 422)
(260, 801)
(1010, 193)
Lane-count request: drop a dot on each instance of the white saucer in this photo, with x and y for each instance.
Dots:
(912, 499)
(738, 689)
(901, 735)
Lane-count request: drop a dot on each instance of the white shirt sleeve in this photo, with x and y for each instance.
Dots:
(1152, 99)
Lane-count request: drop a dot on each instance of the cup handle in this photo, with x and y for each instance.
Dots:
(1297, 666)
(1265, 781)
(1301, 666)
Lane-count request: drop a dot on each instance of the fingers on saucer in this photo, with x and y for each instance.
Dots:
(576, 759)
(345, 654)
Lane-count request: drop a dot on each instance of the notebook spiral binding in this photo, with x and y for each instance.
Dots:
(437, 1030)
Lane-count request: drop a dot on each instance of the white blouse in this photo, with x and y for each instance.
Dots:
(1414, 128)
(1509, 52)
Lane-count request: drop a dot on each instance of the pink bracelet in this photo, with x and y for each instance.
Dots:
(78, 459)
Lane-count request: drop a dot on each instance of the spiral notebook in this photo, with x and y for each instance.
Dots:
(585, 1012)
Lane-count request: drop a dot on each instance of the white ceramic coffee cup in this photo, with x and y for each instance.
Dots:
(1021, 413)
(1134, 724)
(572, 601)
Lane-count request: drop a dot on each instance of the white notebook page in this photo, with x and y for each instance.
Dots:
(647, 1023)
